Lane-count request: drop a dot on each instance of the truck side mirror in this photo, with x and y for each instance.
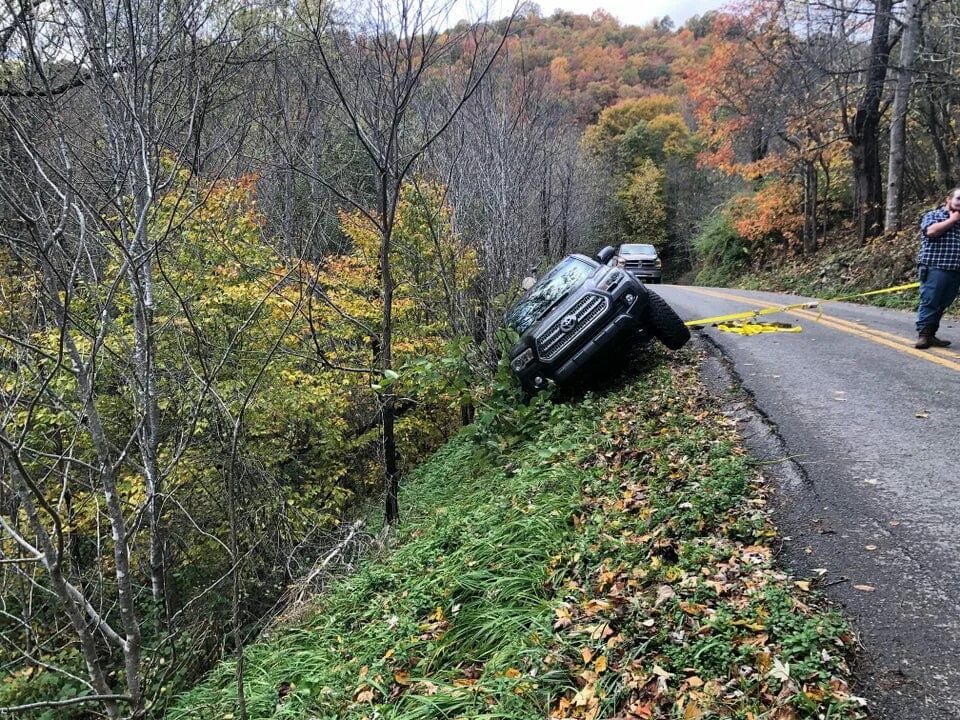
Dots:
(528, 282)
(603, 256)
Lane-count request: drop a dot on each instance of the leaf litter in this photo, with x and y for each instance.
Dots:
(611, 559)
(701, 623)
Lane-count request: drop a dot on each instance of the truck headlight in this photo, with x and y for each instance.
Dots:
(522, 360)
(659, 264)
(612, 279)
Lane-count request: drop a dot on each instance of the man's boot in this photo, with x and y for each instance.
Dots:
(927, 338)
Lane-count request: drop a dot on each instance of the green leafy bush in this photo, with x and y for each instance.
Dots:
(722, 252)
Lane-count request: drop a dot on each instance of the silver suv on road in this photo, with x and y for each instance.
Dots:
(641, 261)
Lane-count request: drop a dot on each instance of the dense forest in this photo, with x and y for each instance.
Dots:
(254, 257)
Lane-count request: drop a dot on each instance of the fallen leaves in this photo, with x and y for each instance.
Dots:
(677, 608)
(664, 593)
(401, 677)
(665, 600)
(780, 671)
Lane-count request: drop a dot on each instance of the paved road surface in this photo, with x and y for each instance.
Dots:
(873, 425)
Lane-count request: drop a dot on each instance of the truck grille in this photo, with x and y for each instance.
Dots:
(554, 341)
(640, 264)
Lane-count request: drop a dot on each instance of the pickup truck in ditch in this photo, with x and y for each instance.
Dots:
(581, 307)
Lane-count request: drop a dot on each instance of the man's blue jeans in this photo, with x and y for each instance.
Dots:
(938, 289)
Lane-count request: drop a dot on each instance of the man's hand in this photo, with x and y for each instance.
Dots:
(937, 229)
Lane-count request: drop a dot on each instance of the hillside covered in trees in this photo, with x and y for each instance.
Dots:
(254, 258)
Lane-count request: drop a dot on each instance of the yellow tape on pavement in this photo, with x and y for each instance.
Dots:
(733, 320)
(718, 319)
(748, 327)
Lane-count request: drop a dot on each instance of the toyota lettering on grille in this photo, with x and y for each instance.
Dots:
(568, 323)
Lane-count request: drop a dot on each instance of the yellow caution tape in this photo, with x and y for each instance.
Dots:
(731, 320)
(747, 327)
(718, 319)
(895, 288)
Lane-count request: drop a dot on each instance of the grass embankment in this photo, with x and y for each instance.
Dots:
(609, 557)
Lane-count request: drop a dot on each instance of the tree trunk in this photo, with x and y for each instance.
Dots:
(391, 478)
(935, 131)
(759, 144)
(898, 122)
(52, 558)
(141, 289)
(545, 212)
(809, 207)
(865, 130)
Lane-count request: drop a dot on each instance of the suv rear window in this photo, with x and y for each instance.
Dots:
(551, 288)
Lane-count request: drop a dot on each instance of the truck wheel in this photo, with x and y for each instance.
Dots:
(667, 325)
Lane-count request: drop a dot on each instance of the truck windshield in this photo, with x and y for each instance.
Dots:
(551, 288)
(637, 250)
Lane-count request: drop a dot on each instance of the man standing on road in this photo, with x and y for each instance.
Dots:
(938, 266)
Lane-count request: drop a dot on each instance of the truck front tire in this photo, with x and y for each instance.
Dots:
(667, 326)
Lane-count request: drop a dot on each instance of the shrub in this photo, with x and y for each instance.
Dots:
(722, 251)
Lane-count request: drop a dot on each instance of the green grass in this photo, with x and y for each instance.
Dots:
(579, 559)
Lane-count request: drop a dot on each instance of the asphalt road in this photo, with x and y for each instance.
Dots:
(863, 436)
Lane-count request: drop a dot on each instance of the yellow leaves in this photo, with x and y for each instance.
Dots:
(585, 696)
(599, 632)
(560, 71)
(434, 626)
(596, 606)
(401, 677)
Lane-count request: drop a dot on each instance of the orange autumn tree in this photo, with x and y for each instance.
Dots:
(765, 115)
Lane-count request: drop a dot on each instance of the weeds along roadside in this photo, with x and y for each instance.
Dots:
(600, 558)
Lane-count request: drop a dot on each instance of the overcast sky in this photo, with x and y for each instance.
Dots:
(635, 12)
(629, 12)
